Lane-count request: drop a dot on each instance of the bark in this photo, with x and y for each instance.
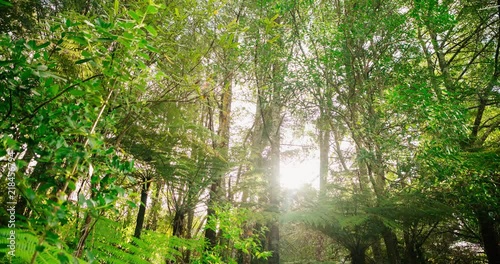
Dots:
(478, 119)
(390, 238)
(413, 252)
(336, 147)
(178, 227)
(274, 240)
(410, 255)
(142, 208)
(358, 255)
(22, 204)
(86, 228)
(269, 76)
(488, 226)
(153, 217)
(324, 149)
(377, 252)
(273, 135)
(257, 147)
(391, 245)
(211, 235)
(320, 248)
(189, 231)
(274, 190)
(222, 146)
(84, 233)
(490, 237)
(179, 230)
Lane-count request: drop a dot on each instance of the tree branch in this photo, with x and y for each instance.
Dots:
(55, 97)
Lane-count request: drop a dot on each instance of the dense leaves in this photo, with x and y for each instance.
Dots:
(154, 132)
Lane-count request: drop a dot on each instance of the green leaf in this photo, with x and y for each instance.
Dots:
(30, 44)
(71, 185)
(105, 39)
(30, 194)
(21, 163)
(6, 62)
(108, 200)
(153, 49)
(76, 92)
(47, 74)
(86, 54)
(80, 40)
(134, 15)
(126, 25)
(40, 248)
(128, 35)
(63, 259)
(83, 60)
(131, 204)
(10, 143)
(67, 22)
(151, 30)
(51, 236)
(120, 190)
(116, 6)
(143, 55)
(5, 3)
(41, 46)
(151, 10)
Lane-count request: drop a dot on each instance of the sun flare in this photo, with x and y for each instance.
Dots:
(297, 173)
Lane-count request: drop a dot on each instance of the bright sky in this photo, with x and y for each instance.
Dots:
(299, 153)
(295, 173)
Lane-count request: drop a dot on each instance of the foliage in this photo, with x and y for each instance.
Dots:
(100, 100)
(27, 243)
(231, 223)
(110, 244)
(57, 113)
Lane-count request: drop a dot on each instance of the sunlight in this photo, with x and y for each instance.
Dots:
(297, 173)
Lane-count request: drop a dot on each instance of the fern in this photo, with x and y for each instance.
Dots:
(26, 245)
(108, 244)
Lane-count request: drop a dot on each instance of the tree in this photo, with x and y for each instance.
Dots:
(122, 133)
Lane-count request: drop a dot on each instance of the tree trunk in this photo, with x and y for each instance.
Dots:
(411, 256)
(274, 240)
(273, 134)
(178, 225)
(189, 231)
(377, 252)
(153, 217)
(83, 235)
(222, 146)
(211, 235)
(142, 208)
(324, 149)
(274, 191)
(358, 256)
(86, 228)
(490, 237)
(391, 245)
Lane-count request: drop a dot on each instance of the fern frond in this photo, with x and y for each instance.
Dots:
(26, 245)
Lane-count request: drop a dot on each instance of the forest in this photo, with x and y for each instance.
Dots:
(259, 131)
